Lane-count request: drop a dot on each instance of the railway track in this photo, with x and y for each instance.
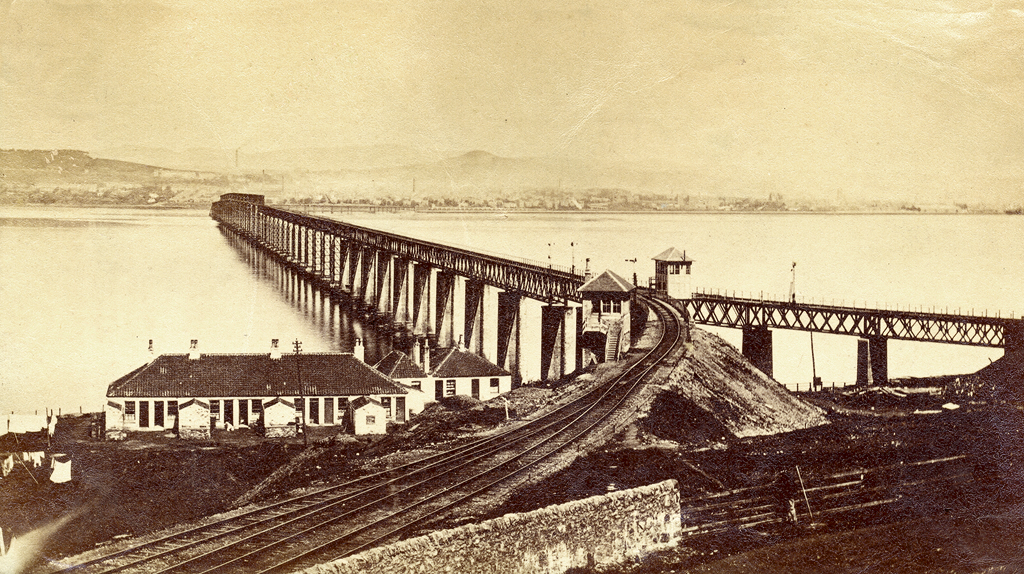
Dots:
(346, 518)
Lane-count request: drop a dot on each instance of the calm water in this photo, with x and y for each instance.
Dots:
(83, 290)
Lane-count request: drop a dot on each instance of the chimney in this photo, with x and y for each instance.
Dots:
(462, 347)
(426, 357)
(151, 352)
(193, 350)
(359, 351)
(275, 352)
(587, 275)
(417, 345)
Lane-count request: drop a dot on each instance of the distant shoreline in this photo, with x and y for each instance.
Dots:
(313, 209)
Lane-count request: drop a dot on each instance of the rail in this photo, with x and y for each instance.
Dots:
(244, 541)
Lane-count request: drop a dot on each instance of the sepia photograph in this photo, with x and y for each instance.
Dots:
(333, 287)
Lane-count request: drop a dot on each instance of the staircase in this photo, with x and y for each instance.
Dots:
(611, 344)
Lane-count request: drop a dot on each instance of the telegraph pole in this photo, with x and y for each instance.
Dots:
(633, 261)
(297, 345)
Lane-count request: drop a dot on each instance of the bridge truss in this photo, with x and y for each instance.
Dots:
(868, 323)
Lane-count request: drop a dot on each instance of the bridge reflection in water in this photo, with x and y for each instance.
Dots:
(331, 315)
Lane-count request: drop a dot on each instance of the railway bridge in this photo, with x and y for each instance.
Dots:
(520, 315)
(874, 327)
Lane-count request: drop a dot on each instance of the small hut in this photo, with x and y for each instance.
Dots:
(279, 418)
(194, 420)
(367, 416)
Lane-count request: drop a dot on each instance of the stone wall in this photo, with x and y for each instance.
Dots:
(607, 529)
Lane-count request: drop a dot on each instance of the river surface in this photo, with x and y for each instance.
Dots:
(83, 290)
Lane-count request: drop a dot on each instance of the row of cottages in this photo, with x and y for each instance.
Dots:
(193, 393)
(454, 371)
(607, 304)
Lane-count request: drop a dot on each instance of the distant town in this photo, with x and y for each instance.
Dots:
(480, 182)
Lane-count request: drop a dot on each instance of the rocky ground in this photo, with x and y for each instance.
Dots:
(709, 421)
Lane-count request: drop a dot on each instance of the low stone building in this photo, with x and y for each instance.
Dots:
(235, 388)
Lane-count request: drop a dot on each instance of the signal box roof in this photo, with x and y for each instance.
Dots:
(672, 254)
(607, 282)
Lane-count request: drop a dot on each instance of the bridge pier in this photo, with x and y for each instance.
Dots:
(873, 361)
(560, 355)
(757, 347)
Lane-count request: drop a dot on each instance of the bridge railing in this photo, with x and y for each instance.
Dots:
(864, 304)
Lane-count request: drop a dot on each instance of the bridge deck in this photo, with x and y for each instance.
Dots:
(724, 311)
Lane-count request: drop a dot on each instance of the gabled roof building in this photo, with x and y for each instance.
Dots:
(454, 371)
(607, 303)
(237, 387)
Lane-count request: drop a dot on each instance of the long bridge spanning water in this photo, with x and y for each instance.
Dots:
(527, 317)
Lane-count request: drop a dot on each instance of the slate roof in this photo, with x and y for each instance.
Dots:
(254, 375)
(672, 254)
(607, 282)
(398, 365)
(452, 363)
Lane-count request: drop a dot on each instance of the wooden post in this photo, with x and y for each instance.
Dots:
(807, 502)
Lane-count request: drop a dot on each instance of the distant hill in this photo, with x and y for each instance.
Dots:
(298, 159)
(68, 166)
(76, 177)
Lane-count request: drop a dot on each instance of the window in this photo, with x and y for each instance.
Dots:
(495, 384)
(449, 388)
(158, 413)
(172, 408)
(129, 411)
(438, 390)
(418, 385)
(474, 388)
(342, 404)
(144, 414)
(257, 406)
(687, 269)
(673, 270)
(616, 306)
(386, 403)
(371, 420)
(215, 409)
(314, 411)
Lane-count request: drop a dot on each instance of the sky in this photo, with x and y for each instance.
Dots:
(826, 97)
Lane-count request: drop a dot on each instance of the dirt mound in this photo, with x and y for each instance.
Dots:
(714, 390)
(1001, 380)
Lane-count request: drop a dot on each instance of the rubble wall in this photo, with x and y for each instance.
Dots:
(607, 529)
